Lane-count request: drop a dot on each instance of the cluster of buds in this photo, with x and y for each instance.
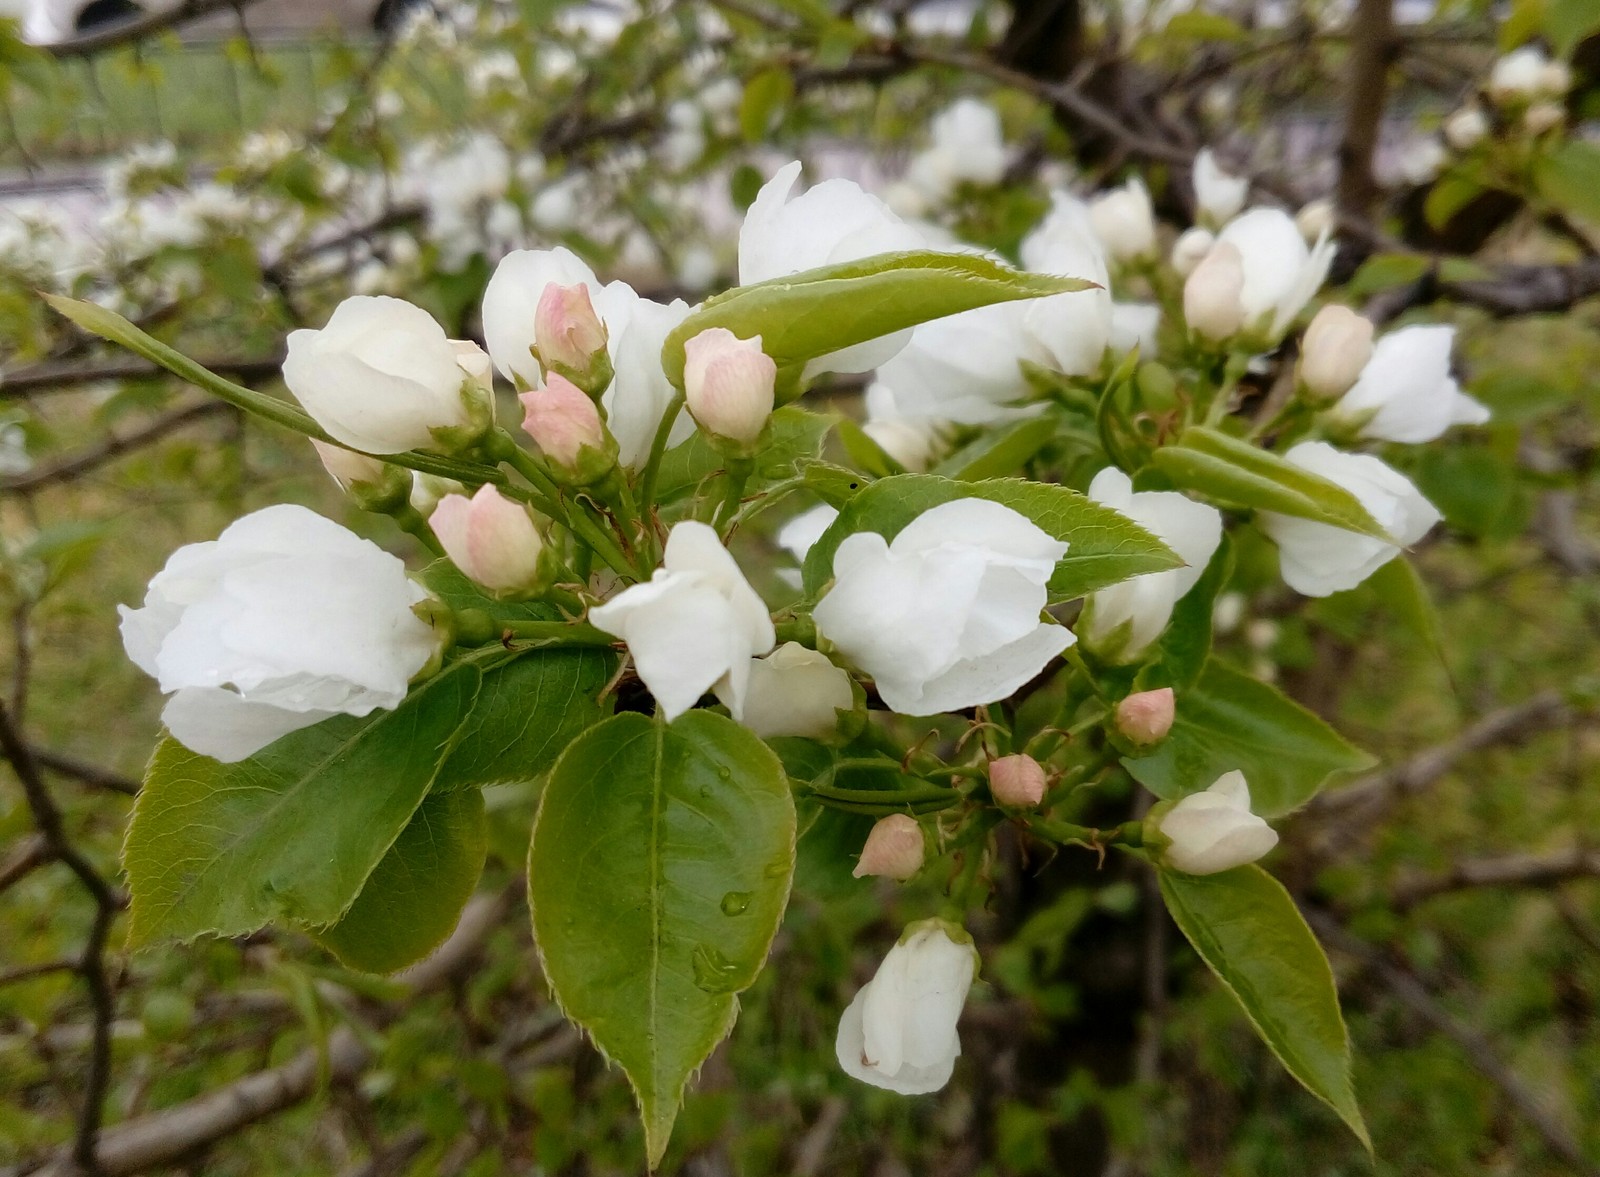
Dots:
(1525, 93)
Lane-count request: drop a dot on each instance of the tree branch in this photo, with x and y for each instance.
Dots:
(126, 32)
(82, 770)
(74, 465)
(1372, 49)
(1510, 870)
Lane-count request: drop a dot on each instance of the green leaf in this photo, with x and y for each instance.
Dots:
(1228, 720)
(1235, 472)
(1205, 26)
(819, 311)
(294, 831)
(862, 449)
(415, 894)
(1105, 547)
(1448, 196)
(1186, 645)
(532, 704)
(765, 96)
(1247, 929)
(795, 436)
(834, 485)
(658, 875)
(1567, 22)
(1002, 451)
(1399, 587)
(1569, 177)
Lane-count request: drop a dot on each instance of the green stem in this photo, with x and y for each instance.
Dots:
(658, 446)
(504, 448)
(556, 633)
(739, 471)
(894, 797)
(411, 521)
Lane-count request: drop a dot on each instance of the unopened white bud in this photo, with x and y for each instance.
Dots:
(729, 384)
(1190, 249)
(893, 850)
(1124, 222)
(1337, 345)
(1145, 717)
(1017, 780)
(1215, 831)
(1211, 295)
(1314, 219)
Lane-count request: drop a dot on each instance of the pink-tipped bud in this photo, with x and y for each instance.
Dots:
(728, 383)
(492, 540)
(1017, 781)
(894, 849)
(1146, 717)
(1211, 295)
(571, 338)
(565, 424)
(1337, 345)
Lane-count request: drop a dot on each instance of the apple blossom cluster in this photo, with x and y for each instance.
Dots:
(1131, 359)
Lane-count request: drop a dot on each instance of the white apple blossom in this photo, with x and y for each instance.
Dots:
(965, 367)
(1125, 222)
(1317, 558)
(794, 691)
(1218, 195)
(694, 626)
(382, 377)
(1280, 274)
(1405, 391)
(899, 1032)
(511, 305)
(1466, 128)
(1144, 603)
(831, 222)
(967, 145)
(799, 534)
(282, 621)
(913, 441)
(1134, 325)
(1073, 328)
(947, 615)
(1214, 830)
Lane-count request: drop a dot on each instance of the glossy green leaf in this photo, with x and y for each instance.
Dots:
(1247, 929)
(865, 452)
(834, 485)
(1235, 472)
(820, 311)
(294, 831)
(1105, 547)
(415, 894)
(658, 874)
(1228, 720)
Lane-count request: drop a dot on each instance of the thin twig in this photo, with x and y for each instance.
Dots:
(75, 465)
(82, 770)
(1509, 870)
(58, 376)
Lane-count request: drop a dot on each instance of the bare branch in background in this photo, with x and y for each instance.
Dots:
(82, 770)
(1511, 870)
(59, 377)
(1372, 50)
(75, 465)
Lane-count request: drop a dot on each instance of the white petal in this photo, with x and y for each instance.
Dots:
(225, 727)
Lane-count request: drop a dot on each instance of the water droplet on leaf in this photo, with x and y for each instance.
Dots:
(735, 902)
(714, 972)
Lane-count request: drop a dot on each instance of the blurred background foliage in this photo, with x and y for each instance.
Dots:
(1455, 887)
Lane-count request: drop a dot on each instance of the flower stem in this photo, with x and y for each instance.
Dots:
(658, 446)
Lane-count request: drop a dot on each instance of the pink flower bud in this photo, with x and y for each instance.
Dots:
(728, 383)
(1017, 781)
(492, 540)
(566, 330)
(1146, 717)
(564, 422)
(894, 849)
(1337, 345)
(1211, 295)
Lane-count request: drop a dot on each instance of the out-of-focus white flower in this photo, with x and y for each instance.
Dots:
(1405, 391)
(697, 268)
(1218, 195)
(1527, 74)
(1317, 558)
(1422, 160)
(1280, 274)
(1125, 222)
(492, 540)
(1544, 116)
(279, 623)
(1215, 831)
(1466, 128)
(1190, 249)
(728, 384)
(1316, 219)
(1335, 348)
(798, 535)
(555, 209)
(382, 377)
(1017, 780)
(948, 615)
(1212, 294)
(694, 626)
(1134, 325)
(913, 441)
(965, 367)
(967, 145)
(895, 849)
(831, 222)
(1144, 603)
(1074, 328)
(794, 691)
(900, 1031)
